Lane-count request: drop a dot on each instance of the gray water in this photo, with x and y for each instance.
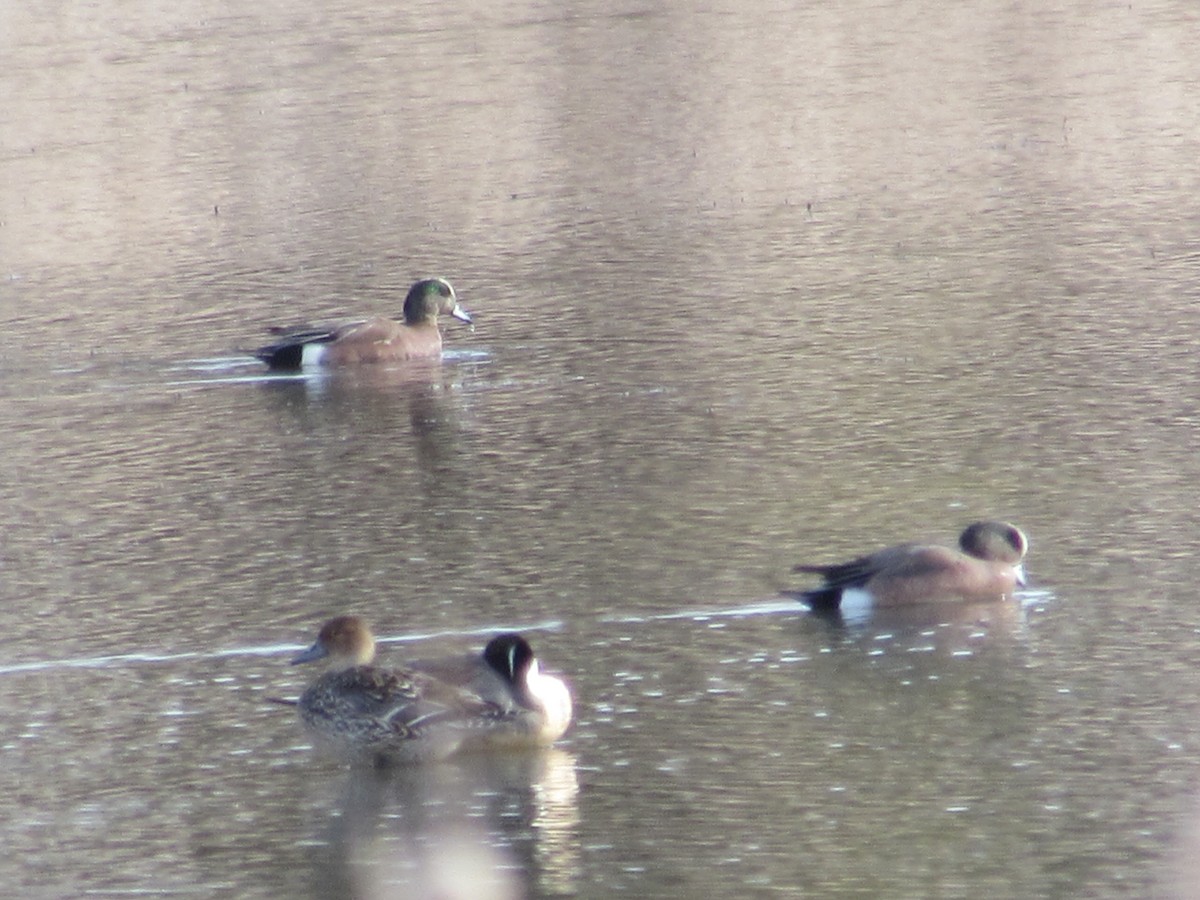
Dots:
(755, 283)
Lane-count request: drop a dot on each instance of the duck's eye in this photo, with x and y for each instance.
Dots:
(443, 289)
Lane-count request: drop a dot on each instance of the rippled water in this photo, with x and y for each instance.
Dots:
(753, 284)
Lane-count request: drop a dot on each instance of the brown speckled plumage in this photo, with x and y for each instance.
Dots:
(431, 710)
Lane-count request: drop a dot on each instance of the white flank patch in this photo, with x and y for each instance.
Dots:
(313, 354)
(856, 605)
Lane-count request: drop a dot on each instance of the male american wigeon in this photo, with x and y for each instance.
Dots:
(406, 715)
(378, 339)
(987, 567)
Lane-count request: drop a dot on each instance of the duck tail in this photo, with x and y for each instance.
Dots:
(284, 356)
(823, 600)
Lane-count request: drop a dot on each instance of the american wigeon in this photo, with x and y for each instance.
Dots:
(406, 715)
(986, 568)
(378, 339)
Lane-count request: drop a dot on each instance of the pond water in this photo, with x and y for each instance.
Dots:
(754, 283)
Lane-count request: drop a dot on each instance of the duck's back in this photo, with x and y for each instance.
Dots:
(387, 714)
(470, 673)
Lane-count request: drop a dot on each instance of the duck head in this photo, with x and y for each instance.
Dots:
(431, 297)
(346, 641)
(511, 657)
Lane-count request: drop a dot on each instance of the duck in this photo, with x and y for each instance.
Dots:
(986, 566)
(377, 339)
(431, 710)
(536, 706)
(364, 712)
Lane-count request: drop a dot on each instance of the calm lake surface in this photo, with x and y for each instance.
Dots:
(754, 283)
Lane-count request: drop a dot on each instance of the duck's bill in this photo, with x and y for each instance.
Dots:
(461, 314)
(316, 651)
(1020, 574)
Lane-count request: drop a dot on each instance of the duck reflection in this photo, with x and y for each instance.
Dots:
(941, 629)
(1002, 615)
(371, 400)
(485, 827)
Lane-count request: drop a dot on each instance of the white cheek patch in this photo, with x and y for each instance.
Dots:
(313, 354)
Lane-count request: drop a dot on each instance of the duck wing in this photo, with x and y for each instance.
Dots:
(286, 352)
(901, 559)
(469, 672)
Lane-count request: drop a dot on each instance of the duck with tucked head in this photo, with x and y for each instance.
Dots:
(986, 567)
(429, 710)
(377, 339)
(536, 706)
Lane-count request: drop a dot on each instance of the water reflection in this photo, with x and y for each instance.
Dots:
(485, 827)
(1181, 879)
(969, 620)
(992, 613)
(420, 394)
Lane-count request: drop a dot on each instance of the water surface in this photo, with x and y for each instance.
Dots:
(754, 284)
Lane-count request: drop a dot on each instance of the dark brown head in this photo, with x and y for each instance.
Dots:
(511, 657)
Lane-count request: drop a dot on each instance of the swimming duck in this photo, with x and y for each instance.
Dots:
(415, 714)
(363, 711)
(536, 705)
(987, 566)
(377, 339)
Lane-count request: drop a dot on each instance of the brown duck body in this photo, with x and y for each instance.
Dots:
(374, 340)
(986, 567)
